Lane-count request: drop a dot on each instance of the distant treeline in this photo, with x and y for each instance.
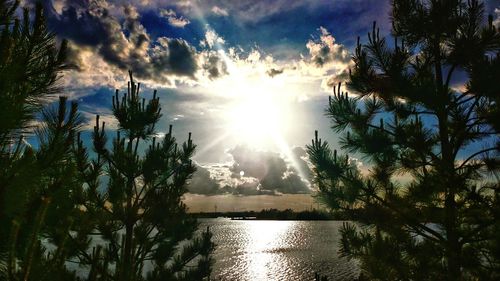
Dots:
(274, 214)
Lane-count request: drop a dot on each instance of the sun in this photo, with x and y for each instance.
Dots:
(255, 109)
(255, 119)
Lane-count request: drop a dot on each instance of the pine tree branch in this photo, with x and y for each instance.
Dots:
(450, 73)
(418, 227)
(476, 154)
(466, 93)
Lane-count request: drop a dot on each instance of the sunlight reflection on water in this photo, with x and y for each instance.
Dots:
(277, 250)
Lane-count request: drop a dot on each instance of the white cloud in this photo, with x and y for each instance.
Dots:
(167, 13)
(93, 71)
(169, 62)
(212, 39)
(219, 11)
(292, 78)
(218, 68)
(272, 170)
(254, 56)
(173, 19)
(326, 52)
(213, 68)
(178, 22)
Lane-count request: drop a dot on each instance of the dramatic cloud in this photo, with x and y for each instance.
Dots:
(105, 32)
(175, 55)
(213, 64)
(301, 165)
(250, 11)
(212, 39)
(325, 51)
(272, 171)
(173, 19)
(219, 11)
(203, 183)
(250, 187)
(328, 59)
(254, 173)
(328, 83)
(211, 61)
(94, 29)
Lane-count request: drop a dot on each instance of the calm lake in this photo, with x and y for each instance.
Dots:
(277, 250)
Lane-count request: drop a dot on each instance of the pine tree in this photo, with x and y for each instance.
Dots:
(51, 196)
(406, 119)
(29, 66)
(30, 63)
(36, 184)
(140, 213)
(40, 202)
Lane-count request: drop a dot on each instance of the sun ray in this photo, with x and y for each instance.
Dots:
(285, 150)
(256, 117)
(207, 147)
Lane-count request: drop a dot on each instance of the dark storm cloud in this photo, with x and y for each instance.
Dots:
(81, 22)
(254, 173)
(272, 171)
(293, 184)
(175, 55)
(122, 42)
(256, 164)
(203, 183)
(214, 65)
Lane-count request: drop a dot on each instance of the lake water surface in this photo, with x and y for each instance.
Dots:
(259, 250)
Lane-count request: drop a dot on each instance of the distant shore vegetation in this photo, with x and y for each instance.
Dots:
(274, 214)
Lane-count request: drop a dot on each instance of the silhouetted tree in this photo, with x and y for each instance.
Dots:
(52, 201)
(442, 222)
(30, 62)
(140, 213)
(36, 184)
(42, 202)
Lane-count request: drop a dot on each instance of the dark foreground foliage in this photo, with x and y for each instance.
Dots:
(441, 221)
(139, 214)
(111, 213)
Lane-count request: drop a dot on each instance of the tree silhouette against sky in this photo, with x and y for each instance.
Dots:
(406, 118)
(140, 214)
(118, 214)
(37, 184)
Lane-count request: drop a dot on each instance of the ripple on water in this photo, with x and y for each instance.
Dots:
(278, 250)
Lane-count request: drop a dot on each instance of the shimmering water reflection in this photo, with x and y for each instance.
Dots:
(278, 250)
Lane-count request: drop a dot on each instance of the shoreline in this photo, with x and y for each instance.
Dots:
(273, 214)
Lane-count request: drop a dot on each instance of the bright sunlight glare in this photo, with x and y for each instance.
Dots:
(258, 109)
(256, 119)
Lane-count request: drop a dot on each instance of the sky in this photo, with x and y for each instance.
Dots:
(250, 79)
